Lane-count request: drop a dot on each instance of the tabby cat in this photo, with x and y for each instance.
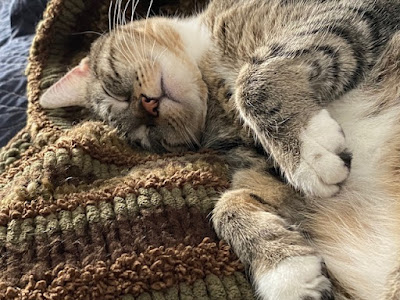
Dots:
(308, 88)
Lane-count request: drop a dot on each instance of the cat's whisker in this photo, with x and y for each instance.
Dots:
(177, 124)
(133, 38)
(124, 11)
(191, 138)
(119, 45)
(159, 55)
(191, 135)
(194, 142)
(145, 23)
(109, 16)
(132, 15)
(134, 6)
(115, 15)
(116, 27)
(186, 137)
(89, 31)
(127, 50)
(131, 32)
(122, 36)
(152, 52)
(142, 49)
(119, 23)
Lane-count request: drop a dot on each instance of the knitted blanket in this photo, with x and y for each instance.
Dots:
(84, 216)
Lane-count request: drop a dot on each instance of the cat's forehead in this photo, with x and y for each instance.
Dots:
(138, 39)
(109, 57)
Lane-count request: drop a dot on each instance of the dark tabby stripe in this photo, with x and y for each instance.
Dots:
(111, 61)
(358, 49)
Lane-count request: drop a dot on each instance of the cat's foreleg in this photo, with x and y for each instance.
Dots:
(281, 264)
(276, 100)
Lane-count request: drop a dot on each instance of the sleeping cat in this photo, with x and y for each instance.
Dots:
(291, 85)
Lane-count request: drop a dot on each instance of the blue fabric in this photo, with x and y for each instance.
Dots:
(18, 19)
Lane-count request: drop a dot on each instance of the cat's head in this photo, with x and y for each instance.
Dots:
(142, 79)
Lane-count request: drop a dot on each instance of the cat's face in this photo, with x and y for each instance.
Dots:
(141, 80)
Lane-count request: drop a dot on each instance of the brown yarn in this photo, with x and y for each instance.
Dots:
(155, 268)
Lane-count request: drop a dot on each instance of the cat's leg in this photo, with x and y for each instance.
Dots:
(253, 218)
(276, 100)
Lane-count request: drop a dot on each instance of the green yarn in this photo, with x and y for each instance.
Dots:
(106, 212)
(79, 221)
(215, 288)
(200, 290)
(13, 232)
(92, 214)
(131, 204)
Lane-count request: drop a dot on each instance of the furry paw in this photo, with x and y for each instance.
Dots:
(324, 161)
(295, 278)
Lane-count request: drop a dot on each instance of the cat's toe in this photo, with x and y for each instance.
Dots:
(324, 159)
(295, 278)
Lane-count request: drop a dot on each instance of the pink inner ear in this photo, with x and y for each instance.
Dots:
(80, 72)
(84, 65)
(70, 89)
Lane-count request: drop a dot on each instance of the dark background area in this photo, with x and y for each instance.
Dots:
(18, 20)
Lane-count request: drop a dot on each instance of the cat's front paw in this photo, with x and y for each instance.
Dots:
(324, 160)
(295, 278)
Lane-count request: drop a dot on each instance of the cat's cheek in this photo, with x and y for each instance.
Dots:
(168, 109)
(180, 78)
(118, 106)
(142, 135)
(108, 107)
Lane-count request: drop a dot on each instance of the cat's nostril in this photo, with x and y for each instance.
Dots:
(150, 105)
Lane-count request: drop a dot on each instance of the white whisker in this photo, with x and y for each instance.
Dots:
(115, 15)
(89, 31)
(145, 22)
(141, 53)
(115, 27)
(119, 23)
(188, 136)
(134, 6)
(133, 9)
(131, 32)
(124, 12)
(109, 16)
(159, 55)
(152, 51)
(122, 37)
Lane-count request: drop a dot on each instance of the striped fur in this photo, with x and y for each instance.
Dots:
(312, 82)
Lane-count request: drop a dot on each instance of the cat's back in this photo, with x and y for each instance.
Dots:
(244, 30)
(238, 27)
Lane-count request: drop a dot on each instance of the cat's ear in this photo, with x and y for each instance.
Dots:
(70, 90)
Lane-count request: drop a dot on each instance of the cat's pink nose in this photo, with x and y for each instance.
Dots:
(150, 105)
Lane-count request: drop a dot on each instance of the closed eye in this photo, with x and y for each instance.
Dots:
(112, 95)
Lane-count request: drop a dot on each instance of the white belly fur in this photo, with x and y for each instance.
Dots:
(356, 231)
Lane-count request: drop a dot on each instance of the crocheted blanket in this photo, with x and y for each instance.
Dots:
(83, 216)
